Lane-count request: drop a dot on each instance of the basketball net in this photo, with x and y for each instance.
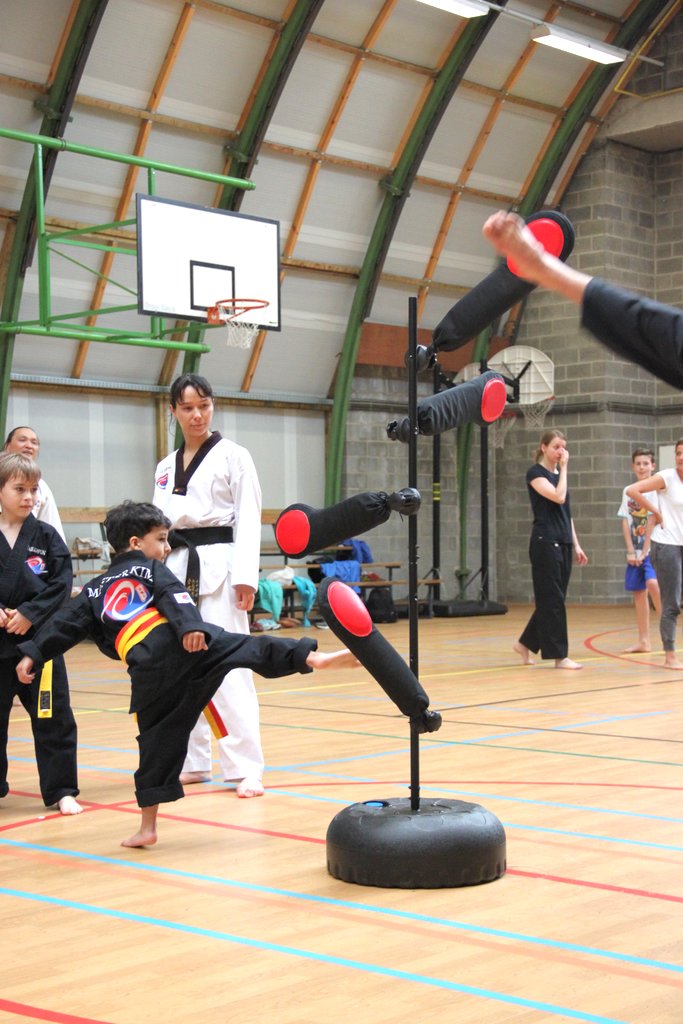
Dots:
(535, 413)
(240, 333)
(500, 428)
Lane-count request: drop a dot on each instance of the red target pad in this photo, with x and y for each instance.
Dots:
(493, 399)
(348, 609)
(549, 233)
(293, 531)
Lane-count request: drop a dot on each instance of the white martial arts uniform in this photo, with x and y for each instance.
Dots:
(46, 508)
(223, 490)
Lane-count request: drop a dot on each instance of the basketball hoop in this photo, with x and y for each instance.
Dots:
(240, 333)
(500, 428)
(536, 412)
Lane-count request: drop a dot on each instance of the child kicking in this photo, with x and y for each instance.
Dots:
(35, 581)
(138, 611)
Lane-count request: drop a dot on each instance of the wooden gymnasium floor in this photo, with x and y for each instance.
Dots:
(232, 916)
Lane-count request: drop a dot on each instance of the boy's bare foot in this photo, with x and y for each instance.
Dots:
(247, 788)
(524, 653)
(147, 833)
(69, 805)
(337, 659)
(188, 778)
(671, 661)
(641, 648)
(568, 663)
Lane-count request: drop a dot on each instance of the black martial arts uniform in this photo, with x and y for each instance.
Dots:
(139, 611)
(35, 579)
(550, 552)
(642, 330)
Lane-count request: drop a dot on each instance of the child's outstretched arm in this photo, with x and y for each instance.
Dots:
(337, 659)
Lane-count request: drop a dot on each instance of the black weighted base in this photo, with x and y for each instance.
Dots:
(444, 844)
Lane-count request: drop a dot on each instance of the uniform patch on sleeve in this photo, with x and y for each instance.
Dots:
(183, 598)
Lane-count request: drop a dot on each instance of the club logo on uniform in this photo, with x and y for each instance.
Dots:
(36, 564)
(125, 599)
(162, 481)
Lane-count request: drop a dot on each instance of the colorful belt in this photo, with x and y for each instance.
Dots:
(136, 630)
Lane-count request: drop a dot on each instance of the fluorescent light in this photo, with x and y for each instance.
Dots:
(463, 8)
(581, 46)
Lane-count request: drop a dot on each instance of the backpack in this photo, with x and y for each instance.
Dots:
(380, 605)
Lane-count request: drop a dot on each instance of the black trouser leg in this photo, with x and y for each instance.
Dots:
(546, 630)
(54, 738)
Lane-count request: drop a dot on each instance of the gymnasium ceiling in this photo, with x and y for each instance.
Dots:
(380, 134)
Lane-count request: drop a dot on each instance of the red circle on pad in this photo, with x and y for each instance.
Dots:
(348, 609)
(293, 531)
(549, 233)
(493, 399)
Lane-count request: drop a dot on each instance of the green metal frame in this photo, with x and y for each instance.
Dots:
(397, 188)
(47, 242)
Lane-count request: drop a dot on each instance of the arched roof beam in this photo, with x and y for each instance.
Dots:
(131, 178)
(634, 27)
(85, 18)
(397, 186)
(315, 167)
(272, 80)
(243, 150)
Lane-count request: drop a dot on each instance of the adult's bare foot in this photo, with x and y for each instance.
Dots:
(641, 648)
(248, 788)
(69, 805)
(189, 778)
(567, 663)
(671, 661)
(524, 653)
(145, 837)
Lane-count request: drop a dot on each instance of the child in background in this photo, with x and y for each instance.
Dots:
(138, 611)
(35, 581)
(641, 580)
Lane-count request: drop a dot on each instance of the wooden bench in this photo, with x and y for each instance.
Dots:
(290, 590)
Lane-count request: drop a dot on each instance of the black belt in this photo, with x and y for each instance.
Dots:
(192, 539)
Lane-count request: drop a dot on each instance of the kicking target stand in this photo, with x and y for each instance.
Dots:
(405, 843)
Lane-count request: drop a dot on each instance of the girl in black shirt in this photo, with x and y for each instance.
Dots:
(550, 550)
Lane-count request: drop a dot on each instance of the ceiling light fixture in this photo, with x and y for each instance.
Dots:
(581, 46)
(463, 8)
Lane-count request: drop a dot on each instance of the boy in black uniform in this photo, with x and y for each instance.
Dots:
(139, 611)
(35, 580)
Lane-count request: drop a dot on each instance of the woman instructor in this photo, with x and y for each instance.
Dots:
(553, 538)
(210, 491)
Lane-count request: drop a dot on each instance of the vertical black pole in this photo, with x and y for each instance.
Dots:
(436, 502)
(484, 472)
(412, 545)
(484, 492)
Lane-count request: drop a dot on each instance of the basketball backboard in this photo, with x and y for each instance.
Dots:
(189, 257)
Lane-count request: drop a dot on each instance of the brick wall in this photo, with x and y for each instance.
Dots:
(627, 208)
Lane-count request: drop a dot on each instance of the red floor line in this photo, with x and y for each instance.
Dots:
(589, 642)
(514, 872)
(598, 885)
(23, 1010)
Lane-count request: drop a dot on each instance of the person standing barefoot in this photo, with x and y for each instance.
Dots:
(550, 550)
(209, 489)
(666, 545)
